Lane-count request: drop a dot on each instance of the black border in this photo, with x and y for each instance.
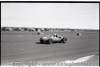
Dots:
(47, 2)
(50, 1)
(0, 35)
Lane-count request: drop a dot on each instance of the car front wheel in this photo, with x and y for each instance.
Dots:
(64, 40)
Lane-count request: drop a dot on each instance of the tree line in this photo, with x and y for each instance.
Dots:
(41, 29)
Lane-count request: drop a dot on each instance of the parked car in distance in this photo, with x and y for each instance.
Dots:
(79, 34)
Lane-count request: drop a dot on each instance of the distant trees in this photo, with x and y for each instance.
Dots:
(17, 29)
(5, 29)
(40, 29)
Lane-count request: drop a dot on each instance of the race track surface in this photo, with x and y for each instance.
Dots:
(25, 46)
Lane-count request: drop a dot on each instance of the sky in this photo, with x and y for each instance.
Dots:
(51, 15)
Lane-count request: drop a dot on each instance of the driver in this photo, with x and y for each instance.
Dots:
(55, 35)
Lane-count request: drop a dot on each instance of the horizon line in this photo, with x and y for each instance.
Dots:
(52, 27)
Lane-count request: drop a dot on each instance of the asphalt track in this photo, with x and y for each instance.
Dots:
(25, 46)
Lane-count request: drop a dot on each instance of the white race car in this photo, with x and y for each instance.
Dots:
(53, 39)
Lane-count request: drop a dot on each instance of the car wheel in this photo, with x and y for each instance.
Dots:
(64, 40)
(41, 41)
(50, 41)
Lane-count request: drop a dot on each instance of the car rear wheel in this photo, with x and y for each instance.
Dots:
(41, 41)
(64, 40)
(50, 41)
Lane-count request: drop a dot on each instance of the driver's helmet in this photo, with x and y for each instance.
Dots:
(55, 35)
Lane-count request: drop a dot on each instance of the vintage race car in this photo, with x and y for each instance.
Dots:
(53, 39)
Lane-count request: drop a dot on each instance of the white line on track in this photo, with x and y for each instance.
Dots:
(83, 59)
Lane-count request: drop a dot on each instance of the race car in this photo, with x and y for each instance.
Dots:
(53, 39)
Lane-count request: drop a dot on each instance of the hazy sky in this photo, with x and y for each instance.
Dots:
(56, 15)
